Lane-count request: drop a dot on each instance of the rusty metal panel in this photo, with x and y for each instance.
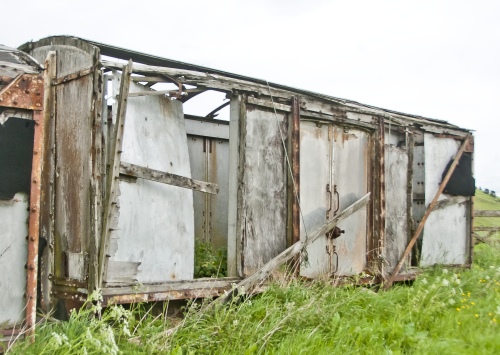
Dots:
(263, 208)
(316, 157)
(25, 91)
(154, 230)
(351, 159)
(396, 222)
(445, 233)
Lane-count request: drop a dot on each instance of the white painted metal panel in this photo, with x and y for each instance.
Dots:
(396, 220)
(445, 233)
(316, 157)
(13, 254)
(155, 225)
(351, 149)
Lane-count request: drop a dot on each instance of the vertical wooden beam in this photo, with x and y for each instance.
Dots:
(96, 184)
(293, 180)
(114, 172)
(295, 162)
(232, 225)
(380, 187)
(240, 208)
(428, 212)
(47, 181)
(410, 147)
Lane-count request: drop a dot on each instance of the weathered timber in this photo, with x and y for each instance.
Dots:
(261, 274)
(167, 178)
(486, 229)
(115, 165)
(216, 82)
(434, 202)
(486, 213)
(152, 92)
(73, 76)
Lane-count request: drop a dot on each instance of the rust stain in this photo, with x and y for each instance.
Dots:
(25, 91)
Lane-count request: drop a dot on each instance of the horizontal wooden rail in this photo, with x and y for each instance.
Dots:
(485, 213)
(486, 229)
(167, 178)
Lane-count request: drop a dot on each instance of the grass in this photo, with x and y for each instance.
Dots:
(450, 311)
(484, 201)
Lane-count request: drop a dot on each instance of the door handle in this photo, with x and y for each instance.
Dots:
(330, 200)
(336, 192)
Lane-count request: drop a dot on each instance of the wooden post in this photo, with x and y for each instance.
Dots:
(427, 213)
(294, 181)
(114, 172)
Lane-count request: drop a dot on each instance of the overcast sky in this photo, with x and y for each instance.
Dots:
(439, 59)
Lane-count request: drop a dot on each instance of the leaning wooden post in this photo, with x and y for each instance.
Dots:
(420, 227)
(114, 171)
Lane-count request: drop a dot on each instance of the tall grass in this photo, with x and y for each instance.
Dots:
(449, 311)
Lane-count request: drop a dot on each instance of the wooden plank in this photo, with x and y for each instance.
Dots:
(167, 178)
(486, 229)
(427, 213)
(234, 179)
(269, 104)
(114, 165)
(73, 76)
(295, 249)
(486, 213)
(47, 193)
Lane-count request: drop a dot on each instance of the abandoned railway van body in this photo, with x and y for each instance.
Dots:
(132, 181)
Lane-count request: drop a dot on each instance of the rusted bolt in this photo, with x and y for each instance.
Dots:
(33, 209)
(27, 91)
(35, 152)
(32, 239)
(34, 181)
(14, 102)
(32, 267)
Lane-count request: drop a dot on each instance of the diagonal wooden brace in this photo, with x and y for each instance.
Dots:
(261, 274)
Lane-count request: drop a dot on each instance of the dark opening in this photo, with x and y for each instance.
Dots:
(16, 154)
(461, 183)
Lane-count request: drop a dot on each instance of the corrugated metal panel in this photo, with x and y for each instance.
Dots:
(209, 159)
(218, 173)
